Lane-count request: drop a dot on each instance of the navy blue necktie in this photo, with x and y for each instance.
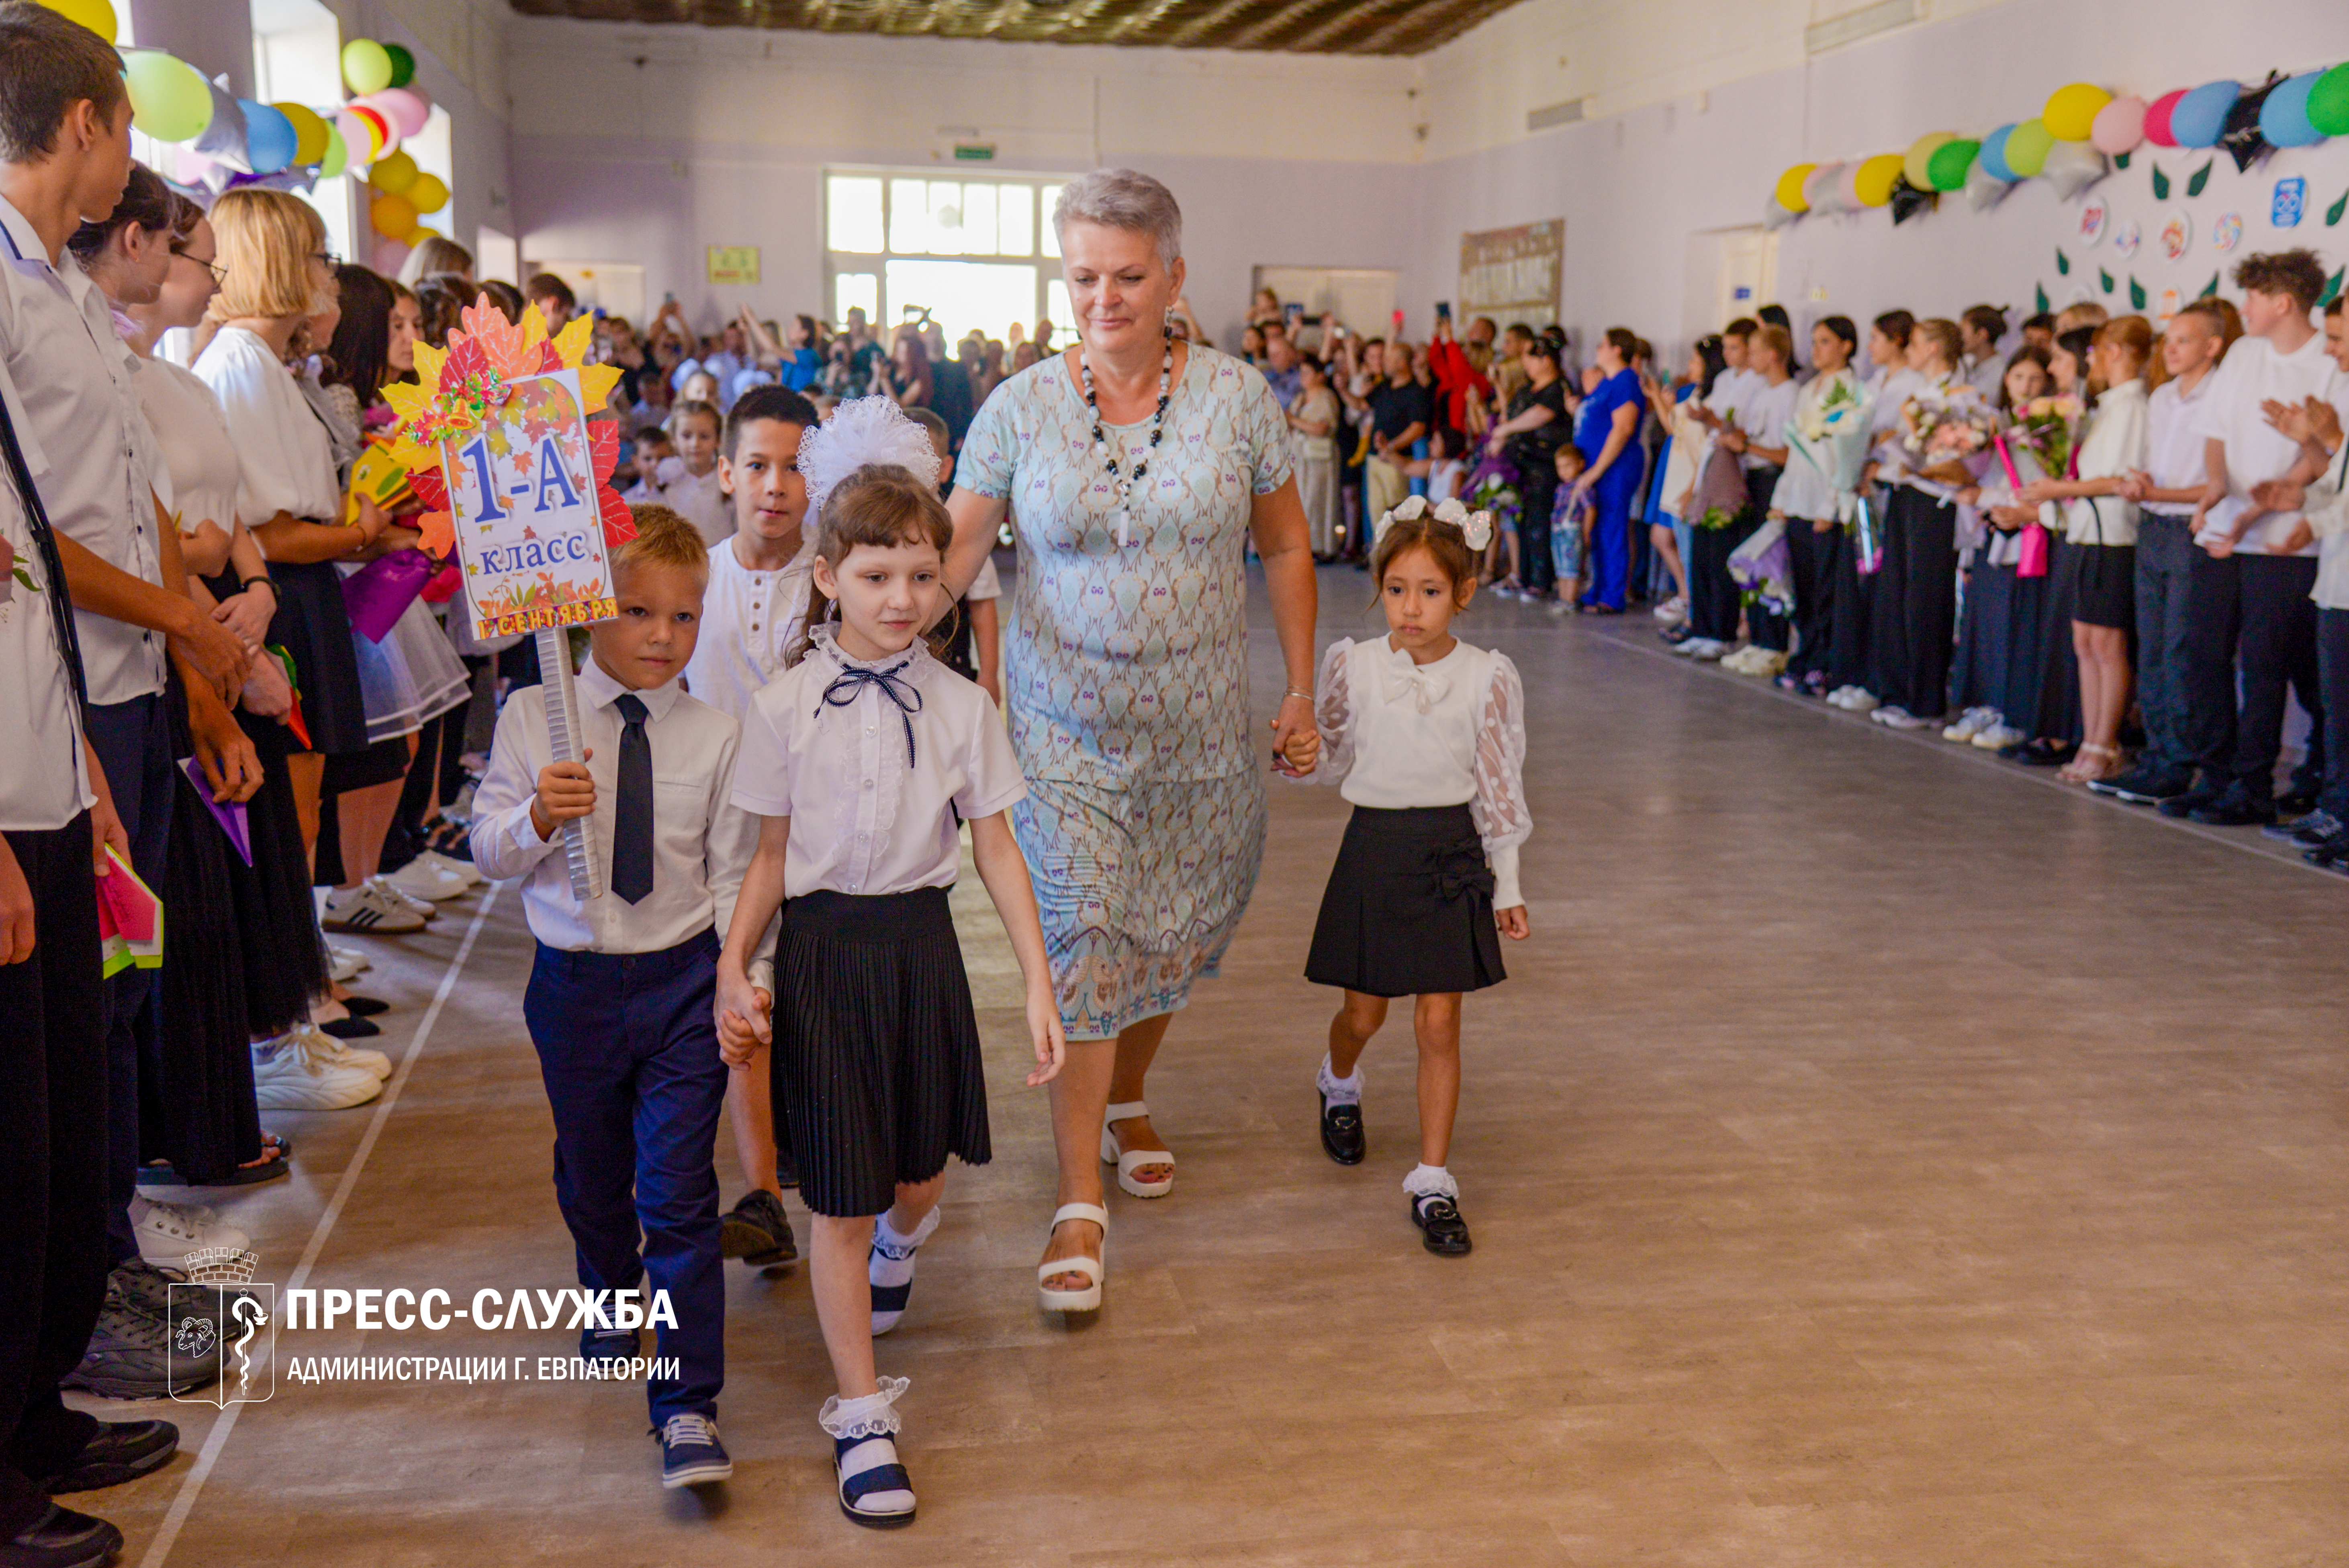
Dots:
(632, 821)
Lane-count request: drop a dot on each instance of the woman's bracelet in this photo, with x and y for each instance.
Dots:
(247, 584)
(1292, 691)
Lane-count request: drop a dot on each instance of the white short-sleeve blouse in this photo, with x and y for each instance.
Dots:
(287, 462)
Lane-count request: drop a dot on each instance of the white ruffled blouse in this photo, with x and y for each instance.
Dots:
(1396, 735)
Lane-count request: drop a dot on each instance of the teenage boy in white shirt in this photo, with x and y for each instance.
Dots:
(2188, 723)
(621, 1001)
(2280, 358)
(754, 610)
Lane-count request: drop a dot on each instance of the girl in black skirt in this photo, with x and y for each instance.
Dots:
(860, 759)
(1426, 736)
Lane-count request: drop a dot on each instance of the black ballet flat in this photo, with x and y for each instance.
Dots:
(359, 1006)
(353, 1028)
(1441, 1227)
(1342, 1138)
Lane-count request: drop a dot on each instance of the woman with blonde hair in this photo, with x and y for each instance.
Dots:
(437, 255)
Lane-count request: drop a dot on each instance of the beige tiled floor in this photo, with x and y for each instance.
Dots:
(1879, 1158)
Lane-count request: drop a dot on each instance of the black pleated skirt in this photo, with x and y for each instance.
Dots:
(2104, 585)
(312, 625)
(1409, 909)
(876, 1059)
(277, 929)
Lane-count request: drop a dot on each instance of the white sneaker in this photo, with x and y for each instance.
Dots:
(168, 1232)
(422, 879)
(1672, 609)
(1762, 662)
(342, 1054)
(1861, 701)
(288, 1075)
(464, 871)
(1970, 723)
(1704, 649)
(1893, 717)
(370, 908)
(345, 962)
(2000, 736)
(390, 890)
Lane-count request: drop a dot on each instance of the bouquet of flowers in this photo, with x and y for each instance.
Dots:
(1494, 488)
(1832, 438)
(1843, 405)
(1940, 431)
(2046, 428)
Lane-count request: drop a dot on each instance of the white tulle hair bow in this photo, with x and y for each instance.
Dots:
(861, 431)
(1476, 527)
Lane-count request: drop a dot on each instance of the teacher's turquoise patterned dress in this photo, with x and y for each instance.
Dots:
(1125, 671)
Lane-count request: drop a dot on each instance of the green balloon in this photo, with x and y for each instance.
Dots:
(336, 153)
(366, 66)
(168, 101)
(1949, 163)
(403, 63)
(2328, 102)
(2027, 146)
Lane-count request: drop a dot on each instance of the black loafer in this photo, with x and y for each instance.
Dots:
(350, 1028)
(2297, 802)
(1341, 1133)
(757, 1231)
(64, 1538)
(2041, 753)
(2180, 807)
(122, 1451)
(2236, 810)
(1441, 1227)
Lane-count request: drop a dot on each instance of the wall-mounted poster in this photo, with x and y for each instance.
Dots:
(733, 264)
(1512, 273)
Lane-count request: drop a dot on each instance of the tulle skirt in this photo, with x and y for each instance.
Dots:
(412, 675)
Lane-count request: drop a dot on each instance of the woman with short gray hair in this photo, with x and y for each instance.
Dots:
(1136, 468)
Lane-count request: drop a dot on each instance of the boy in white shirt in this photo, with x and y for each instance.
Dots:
(974, 652)
(754, 611)
(621, 995)
(689, 484)
(2280, 358)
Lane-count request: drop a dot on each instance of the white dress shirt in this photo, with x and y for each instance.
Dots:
(696, 498)
(44, 778)
(2113, 448)
(1396, 735)
(2251, 374)
(2177, 456)
(865, 820)
(750, 619)
(1804, 489)
(84, 440)
(1762, 414)
(694, 866)
(286, 457)
(2327, 512)
(195, 447)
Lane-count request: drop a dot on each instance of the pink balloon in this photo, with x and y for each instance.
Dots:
(1848, 188)
(404, 108)
(2118, 127)
(389, 255)
(1823, 187)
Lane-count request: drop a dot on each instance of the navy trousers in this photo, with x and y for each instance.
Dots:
(2165, 577)
(628, 1048)
(2279, 656)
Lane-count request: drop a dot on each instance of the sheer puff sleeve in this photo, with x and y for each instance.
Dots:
(1333, 716)
(1498, 808)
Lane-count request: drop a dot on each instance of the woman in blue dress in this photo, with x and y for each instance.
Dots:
(1136, 469)
(1609, 433)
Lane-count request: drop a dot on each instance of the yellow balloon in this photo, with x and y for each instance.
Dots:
(421, 233)
(1918, 162)
(428, 194)
(1873, 183)
(393, 174)
(1790, 188)
(94, 15)
(2071, 111)
(394, 217)
(309, 131)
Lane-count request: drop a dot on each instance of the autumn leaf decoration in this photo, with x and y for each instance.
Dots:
(456, 387)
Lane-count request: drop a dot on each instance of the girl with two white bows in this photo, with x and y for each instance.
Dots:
(1426, 736)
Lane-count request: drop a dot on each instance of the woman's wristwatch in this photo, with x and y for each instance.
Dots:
(247, 584)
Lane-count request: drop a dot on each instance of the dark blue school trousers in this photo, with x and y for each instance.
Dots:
(628, 1048)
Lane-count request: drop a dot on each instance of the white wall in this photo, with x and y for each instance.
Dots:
(1634, 187)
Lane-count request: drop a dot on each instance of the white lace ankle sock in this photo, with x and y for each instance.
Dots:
(1431, 1182)
(1340, 1090)
(892, 1260)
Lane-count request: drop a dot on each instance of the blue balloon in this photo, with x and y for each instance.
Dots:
(2283, 118)
(1993, 156)
(2201, 115)
(270, 139)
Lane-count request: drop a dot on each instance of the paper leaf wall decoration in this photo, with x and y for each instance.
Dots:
(2332, 213)
(2137, 293)
(2332, 287)
(2062, 263)
(2160, 184)
(2198, 179)
(2039, 293)
(2121, 159)
(2210, 289)
(2104, 278)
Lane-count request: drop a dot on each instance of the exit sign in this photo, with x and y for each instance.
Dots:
(974, 152)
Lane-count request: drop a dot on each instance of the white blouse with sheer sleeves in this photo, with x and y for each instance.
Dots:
(288, 460)
(1396, 735)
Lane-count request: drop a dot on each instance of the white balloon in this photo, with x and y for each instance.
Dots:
(1774, 216)
(2073, 166)
(1984, 190)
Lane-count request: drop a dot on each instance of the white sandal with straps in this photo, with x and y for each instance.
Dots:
(1094, 1269)
(1130, 1160)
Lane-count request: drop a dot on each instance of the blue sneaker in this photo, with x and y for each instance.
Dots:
(691, 1454)
(609, 1345)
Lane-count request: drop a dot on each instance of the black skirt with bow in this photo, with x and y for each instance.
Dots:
(1408, 910)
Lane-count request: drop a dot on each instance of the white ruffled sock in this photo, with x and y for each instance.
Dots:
(1340, 1090)
(1431, 1182)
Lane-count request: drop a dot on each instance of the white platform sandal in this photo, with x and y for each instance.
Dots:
(1133, 1160)
(1094, 1269)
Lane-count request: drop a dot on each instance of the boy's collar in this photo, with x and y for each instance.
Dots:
(602, 690)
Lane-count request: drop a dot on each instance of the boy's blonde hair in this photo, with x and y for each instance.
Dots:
(663, 539)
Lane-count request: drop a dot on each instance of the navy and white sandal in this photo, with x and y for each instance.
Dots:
(890, 1267)
(874, 1489)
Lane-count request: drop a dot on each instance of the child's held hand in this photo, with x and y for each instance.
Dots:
(1513, 922)
(1051, 1042)
(1302, 751)
(564, 793)
(744, 1017)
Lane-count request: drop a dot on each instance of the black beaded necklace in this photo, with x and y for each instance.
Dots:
(1157, 428)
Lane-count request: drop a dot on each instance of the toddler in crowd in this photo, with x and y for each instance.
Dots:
(1426, 735)
(875, 1048)
(620, 999)
(690, 483)
(1569, 527)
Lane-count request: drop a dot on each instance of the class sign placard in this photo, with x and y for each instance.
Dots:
(526, 517)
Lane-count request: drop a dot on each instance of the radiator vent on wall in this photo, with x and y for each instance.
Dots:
(1865, 22)
(1566, 113)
